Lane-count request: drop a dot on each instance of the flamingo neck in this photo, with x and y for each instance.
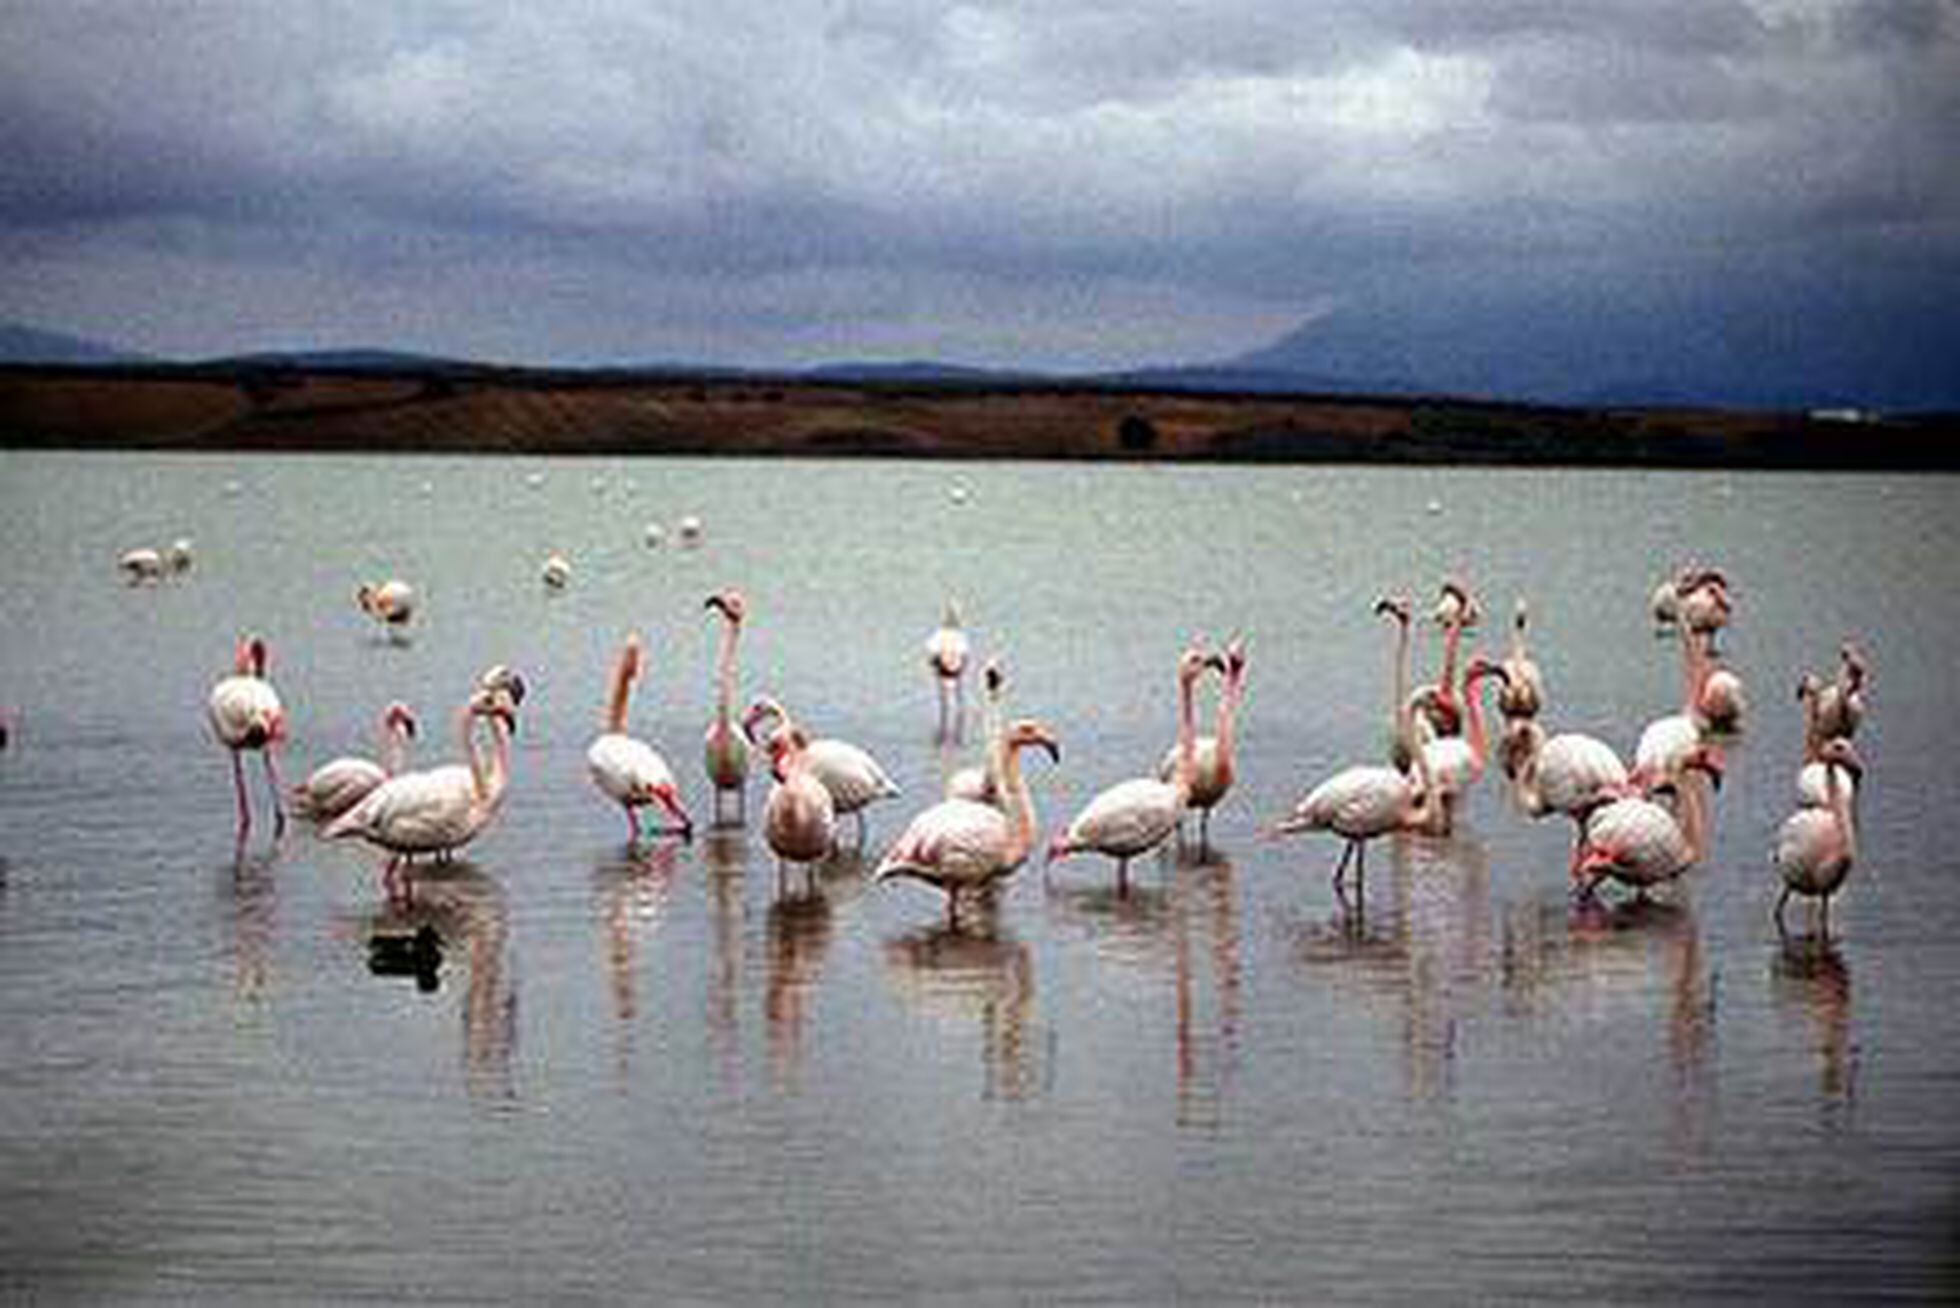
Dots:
(1419, 810)
(1840, 805)
(1018, 804)
(1473, 721)
(1693, 669)
(1530, 796)
(725, 668)
(1228, 712)
(1186, 769)
(622, 688)
(394, 744)
(1446, 675)
(1694, 819)
(491, 774)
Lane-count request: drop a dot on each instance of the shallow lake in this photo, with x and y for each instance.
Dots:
(664, 1073)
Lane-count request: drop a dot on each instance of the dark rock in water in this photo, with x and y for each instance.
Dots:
(418, 955)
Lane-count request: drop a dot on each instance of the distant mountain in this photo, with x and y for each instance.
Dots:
(23, 344)
(356, 359)
(922, 371)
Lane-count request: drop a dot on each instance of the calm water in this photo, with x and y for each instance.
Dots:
(662, 1076)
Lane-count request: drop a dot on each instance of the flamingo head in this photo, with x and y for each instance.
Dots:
(1855, 669)
(994, 676)
(1235, 657)
(1838, 751)
(250, 655)
(364, 597)
(764, 706)
(1195, 661)
(1456, 606)
(1029, 732)
(785, 744)
(1707, 760)
(495, 703)
(399, 717)
(1479, 668)
(1520, 615)
(632, 655)
(1809, 686)
(951, 616)
(1393, 606)
(730, 604)
(505, 680)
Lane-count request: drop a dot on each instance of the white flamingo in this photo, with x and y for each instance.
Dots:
(1456, 763)
(1135, 816)
(977, 782)
(1437, 710)
(852, 776)
(245, 714)
(799, 818)
(959, 845)
(390, 603)
(1640, 842)
(1366, 801)
(947, 650)
(336, 786)
(627, 770)
(1813, 776)
(439, 810)
(1666, 741)
(1816, 846)
(725, 750)
(1216, 767)
(1569, 773)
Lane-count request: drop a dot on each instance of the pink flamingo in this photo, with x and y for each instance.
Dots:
(1215, 768)
(1363, 802)
(1666, 741)
(725, 750)
(1436, 705)
(799, 819)
(627, 770)
(852, 777)
(1639, 842)
(946, 654)
(439, 810)
(336, 786)
(1841, 704)
(1456, 763)
(1813, 776)
(245, 714)
(1523, 693)
(1133, 817)
(959, 845)
(1816, 846)
(1569, 773)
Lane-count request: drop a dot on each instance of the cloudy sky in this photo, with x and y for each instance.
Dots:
(1057, 183)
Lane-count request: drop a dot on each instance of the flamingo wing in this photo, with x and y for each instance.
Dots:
(851, 775)
(335, 787)
(1126, 819)
(1357, 801)
(956, 840)
(415, 812)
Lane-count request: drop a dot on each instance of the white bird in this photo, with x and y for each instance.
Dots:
(390, 602)
(959, 845)
(1436, 707)
(1841, 704)
(799, 819)
(1523, 693)
(1456, 763)
(337, 786)
(1134, 817)
(1813, 776)
(1569, 773)
(977, 782)
(1665, 605)
(1640, 842)
(245, 714)
(439, 810)
(1366, 801)
(1216, 765)
(946, 654)
(177, 556)
(1816, 847)
(689, 532)
(140, 565)
(852, 777)
(1666, 741)
(627, 770)
(556, 572)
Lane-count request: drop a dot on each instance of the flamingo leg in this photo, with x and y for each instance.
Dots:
(1122, 877)
(1781, 900)
(238, 785)
(859, 815)
(632, 824)
(1340, 868)
(272, 782)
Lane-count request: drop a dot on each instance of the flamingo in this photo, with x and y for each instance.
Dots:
(1522, 694)
(1214, 769)
(977, 782)
(1841, 704)
(391, 602)
(1667, 740)
(1635, 840)
(627, 770)
(1813, 777)
(1705, 604)
(1665, 605)
(725, 749)
(1456, 763)
(439, 810)
(1436, 705)
(1569, 773)
(1362, 802)
(1133, 817)
(245, 714)
(799, 819)
(853, 778)
(337, 786)
(946, 655)
(1816, 846)
(958, 844)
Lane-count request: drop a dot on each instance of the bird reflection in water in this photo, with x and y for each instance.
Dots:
(457, 908)
(798, 927)
(975, 973)
(632, 892)
(1205, 930)
(252, 895)
(1811, 979)
(725, 861)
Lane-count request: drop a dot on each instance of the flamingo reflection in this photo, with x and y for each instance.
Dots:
(1810, 978)
(975, 974)
(633, 894)
(798, 926)
(724, 857)
(252, 895)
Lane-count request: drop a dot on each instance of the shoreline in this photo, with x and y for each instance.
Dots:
(472, 409)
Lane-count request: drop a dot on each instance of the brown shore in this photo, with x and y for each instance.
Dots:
(445, 410)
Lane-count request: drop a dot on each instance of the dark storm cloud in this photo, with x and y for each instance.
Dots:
(1054, 182)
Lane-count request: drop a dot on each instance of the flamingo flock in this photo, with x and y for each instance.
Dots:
(1639, 821)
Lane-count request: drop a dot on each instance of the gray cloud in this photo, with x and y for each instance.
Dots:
(1073, 182)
